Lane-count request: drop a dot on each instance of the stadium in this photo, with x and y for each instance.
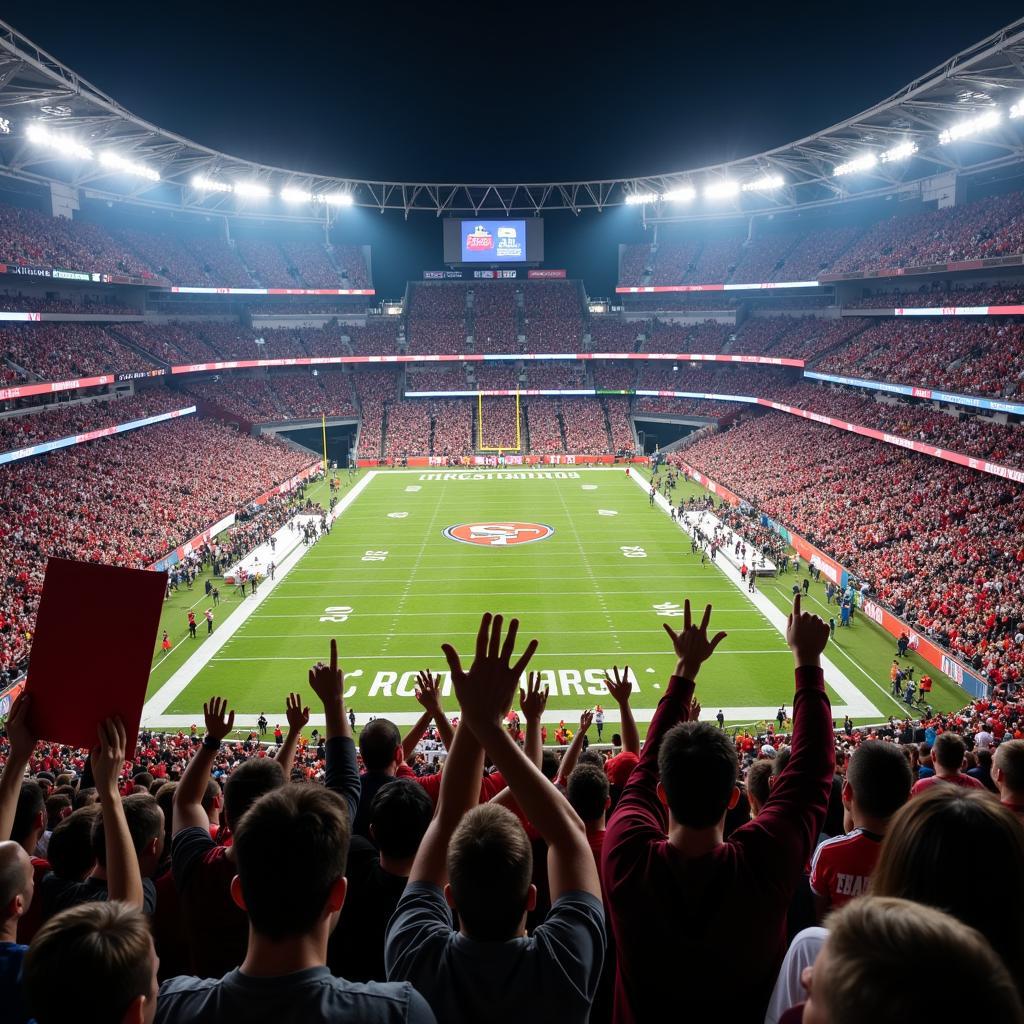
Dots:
(792, 391)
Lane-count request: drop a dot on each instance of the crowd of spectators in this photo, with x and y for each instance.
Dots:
(587, 875)
(55, 421)
(453, 427)
(941, 293)
(495, 326)
(937, 543)
(430, 377)
(584, 426)
(499, 424)
(552, 316)
(612, 334)
(379, 337)
(83, 304)
(267, 263)
(127, 500)
(667, 336)
(313, 264)
(617, 375)
(169, 255)
(495, 376)
(353, 266)
(436, 319)
(960, 432)
(249, 399)
(567, 374)
(544, 427)
(982, 358)
(64, 351)
(408, 428)
(31, 238)
(620, 427)
(220, 260)
(169, 343)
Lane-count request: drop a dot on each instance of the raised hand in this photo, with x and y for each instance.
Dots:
(586, 720)
(428, 693)
(694, 712)
(534, 699)
(219, 720)
(107, 757)
(19, 735)
(806, 634)
(328, 681)
(298, 716)
(485, 692)
(620, 687)
(691, 643)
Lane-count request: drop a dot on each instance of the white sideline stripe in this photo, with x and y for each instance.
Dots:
(449, 613)
(840, 683)
(571, 717)
(178, 682)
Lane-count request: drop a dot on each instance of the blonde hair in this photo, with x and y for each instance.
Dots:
(868, 942)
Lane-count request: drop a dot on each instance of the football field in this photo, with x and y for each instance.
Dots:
(414, 557)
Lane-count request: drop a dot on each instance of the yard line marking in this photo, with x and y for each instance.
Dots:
(179, 681)
(835, 678)
(433, 656)
(471, 632)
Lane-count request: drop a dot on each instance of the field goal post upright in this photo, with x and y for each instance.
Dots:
(481, 447)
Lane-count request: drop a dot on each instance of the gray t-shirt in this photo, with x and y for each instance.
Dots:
(309, 996)
(463, 979)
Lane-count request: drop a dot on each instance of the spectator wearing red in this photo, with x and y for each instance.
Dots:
(948, 752)
(1008, 775)
(676, 889)
(877, 785)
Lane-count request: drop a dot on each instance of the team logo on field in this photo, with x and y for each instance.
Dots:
(498, 534)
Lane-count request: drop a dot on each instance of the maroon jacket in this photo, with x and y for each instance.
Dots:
(693, 934)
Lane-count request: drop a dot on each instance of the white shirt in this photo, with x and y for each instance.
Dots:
(789, 990)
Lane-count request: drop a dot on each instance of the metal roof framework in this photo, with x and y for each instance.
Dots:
(37, 88)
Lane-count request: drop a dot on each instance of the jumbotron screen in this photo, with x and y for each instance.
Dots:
(493, 241)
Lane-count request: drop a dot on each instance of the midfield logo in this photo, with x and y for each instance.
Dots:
(498, 534)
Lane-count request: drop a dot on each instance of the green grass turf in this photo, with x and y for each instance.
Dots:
(589, 604)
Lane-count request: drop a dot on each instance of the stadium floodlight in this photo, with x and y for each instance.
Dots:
(683, 194)
(296, 195)
(768, 183)
(970, 127)
(251, 190)
(721, 189)
(1017, 110)
(858, 163)
(338, 199)
(61, 143)
(641, 198)
(901, 152)
(119, 163)
(204, 184)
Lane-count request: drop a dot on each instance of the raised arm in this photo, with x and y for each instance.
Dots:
(22, 743)
(460, 780)
(428, 693)
(415, 734)
(619, 688)
(298, 719)
(342, 771)
(188, 797)
(532, 702)
(484, 697)
(640, 815)
(124, 880)
(572, 754)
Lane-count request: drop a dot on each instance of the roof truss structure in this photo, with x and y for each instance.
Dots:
(36, 88)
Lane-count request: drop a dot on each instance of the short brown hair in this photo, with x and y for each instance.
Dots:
(587, 791)
(490, 864)
(758, 786)
(945, 847)
(868, 940)
(1009, 759)
(291, 847)
(88, 963)
(948, 751)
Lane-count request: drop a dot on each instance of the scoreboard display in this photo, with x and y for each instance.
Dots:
(493, 242)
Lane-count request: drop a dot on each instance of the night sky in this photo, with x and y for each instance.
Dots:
(492, 92)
